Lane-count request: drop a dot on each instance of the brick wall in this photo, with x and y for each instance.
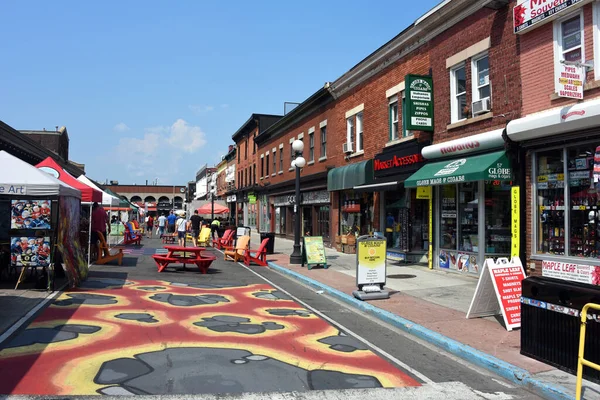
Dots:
(537, 66)
(247, 160)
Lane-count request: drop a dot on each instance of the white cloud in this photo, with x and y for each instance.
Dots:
(224, 105)
(121, 127)
(199, 109)
(159, 152)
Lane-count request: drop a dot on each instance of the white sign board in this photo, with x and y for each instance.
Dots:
(528, 13)
(569, 82)
(13, 189)
(370, 261)
(499, 291)
(589, 274)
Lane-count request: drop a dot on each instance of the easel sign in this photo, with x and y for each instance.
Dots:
(499, 291)
(313, 252)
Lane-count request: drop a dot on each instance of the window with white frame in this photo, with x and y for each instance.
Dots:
(393, 118)
(458, 93)
(350, 132)
(324, 141)
(568, 42)
(311, 146)
(481, 77)
(281, 159)
(359, 132)
(274, 161)
(354, 132)
(404, 111)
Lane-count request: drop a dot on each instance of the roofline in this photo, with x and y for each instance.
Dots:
(297, 114)
(431, 24)
(247, 124)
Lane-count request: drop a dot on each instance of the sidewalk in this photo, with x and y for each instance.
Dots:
(438, 302)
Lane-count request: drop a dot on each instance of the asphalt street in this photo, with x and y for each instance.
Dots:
(133, 331)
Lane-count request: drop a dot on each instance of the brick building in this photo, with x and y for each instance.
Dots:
(158, 198)
(362, 118)
(559, 138)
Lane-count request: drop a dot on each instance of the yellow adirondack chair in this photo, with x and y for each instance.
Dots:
(236, 253)
(204, 238)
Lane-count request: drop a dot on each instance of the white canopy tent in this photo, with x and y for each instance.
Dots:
(21, 179)
(107, 199)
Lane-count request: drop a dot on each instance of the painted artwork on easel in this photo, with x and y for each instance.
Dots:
(30, 251)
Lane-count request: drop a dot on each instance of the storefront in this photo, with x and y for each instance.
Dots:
(563, 158)
(404, 216)
(315, 214)
(231, 203)
(471, 200)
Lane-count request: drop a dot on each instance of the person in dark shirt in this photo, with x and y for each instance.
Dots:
(195, 220)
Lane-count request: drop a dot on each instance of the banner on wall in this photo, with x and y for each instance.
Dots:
(515, 222)
(528, 13)
(499, 291)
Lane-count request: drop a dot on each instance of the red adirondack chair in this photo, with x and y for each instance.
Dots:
(258, 256)
(225, 240)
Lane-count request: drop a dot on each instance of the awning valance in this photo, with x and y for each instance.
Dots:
(348, 176)
(491, 166)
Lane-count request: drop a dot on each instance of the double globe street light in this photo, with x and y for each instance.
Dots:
(298, 163)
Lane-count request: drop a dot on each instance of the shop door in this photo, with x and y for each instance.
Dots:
(307, 228)
(323, 222)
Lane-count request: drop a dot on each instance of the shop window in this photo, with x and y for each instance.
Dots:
(406, 221)
(568, 41)
(324, 141)
(311, 146)
(393, 118)
(497, 219)
(356, 211)
(550, 182)
(458, 89)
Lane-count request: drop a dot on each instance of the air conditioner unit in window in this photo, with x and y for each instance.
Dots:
(347, 148)
(481, 106)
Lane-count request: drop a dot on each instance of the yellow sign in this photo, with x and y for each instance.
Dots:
(314, 251)
(371, 261)
(515, 221)
(430, 236)
(424, 192)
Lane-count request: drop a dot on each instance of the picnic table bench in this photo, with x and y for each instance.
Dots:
(169, 238)
(177, 255)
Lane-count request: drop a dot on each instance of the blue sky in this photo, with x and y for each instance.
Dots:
(152, 89)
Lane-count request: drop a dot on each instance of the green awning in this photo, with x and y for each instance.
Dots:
(491, 166)
(348, 176)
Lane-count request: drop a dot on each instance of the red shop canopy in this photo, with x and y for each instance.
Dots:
(88, 194)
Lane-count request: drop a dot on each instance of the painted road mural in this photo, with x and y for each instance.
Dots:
(120, 337)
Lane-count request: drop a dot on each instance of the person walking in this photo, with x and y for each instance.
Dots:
(149, 226)
(195, 221)
(214, 227)
(182, 226)
(171, 220)
(162, 224)
(100, 222)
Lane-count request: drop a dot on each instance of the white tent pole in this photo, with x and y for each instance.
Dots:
(90, 237)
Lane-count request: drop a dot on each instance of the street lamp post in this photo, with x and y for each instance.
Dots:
(298, 163)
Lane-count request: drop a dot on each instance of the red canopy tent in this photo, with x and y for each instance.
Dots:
(88, 194)
(207, 209)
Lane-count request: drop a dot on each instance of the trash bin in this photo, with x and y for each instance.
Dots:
(270, 243)
(550, 323)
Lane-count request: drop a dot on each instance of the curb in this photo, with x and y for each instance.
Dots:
(506, 370)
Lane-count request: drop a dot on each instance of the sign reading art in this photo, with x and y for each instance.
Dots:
(13, 189)
(419, 102)
(589, 274)
(528, 13)
(570, 81)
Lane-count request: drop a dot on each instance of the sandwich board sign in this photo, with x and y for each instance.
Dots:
(371, 254)
(313, 252)
(499, 291)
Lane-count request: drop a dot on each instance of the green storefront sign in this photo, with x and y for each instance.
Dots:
(419, 102)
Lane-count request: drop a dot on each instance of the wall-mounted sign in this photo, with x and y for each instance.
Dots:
(419, 102)
(316, 197)
(528, 13)
(515, 222)
(400, 159)
(570, 81)
(13, 189)
(470, 144)
(589, 274)
(424, 192)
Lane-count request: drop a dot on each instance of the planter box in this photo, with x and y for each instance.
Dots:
(351, 239)
(338, 239)
(344, 239)
(350, 249)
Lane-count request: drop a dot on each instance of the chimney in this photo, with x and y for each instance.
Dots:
(146, 182)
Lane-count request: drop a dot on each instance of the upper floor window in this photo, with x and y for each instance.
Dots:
(311, 146)
(324, 141)
(246, 150)
(354, 132)
(274, 161)
(458, 93)
(262, 167)
(281, 159)
(267, 164)
(481, 77)
(254, 174)
(393, 118)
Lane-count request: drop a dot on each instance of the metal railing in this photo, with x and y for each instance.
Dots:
(580, 360)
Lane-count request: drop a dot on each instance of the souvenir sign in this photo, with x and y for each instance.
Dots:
(30, 214)
(313, 252)
(499, 291)
(30, 251)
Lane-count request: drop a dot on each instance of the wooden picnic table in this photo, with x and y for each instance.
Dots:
(184, 255)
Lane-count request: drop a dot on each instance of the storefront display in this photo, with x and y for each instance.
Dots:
(356, 213)
(406, 221)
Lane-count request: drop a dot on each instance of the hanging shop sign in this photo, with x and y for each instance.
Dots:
(570, 81)
(528, 13)
(467, 145)
(424, 192)
(13, 189)
(499, 291)
(231, 199)
(251, 199)
(589, 274)
(313, 252)
(315, 197)
(399, 159)
(419, 102)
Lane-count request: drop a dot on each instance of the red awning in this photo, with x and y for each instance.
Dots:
(88, 194)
